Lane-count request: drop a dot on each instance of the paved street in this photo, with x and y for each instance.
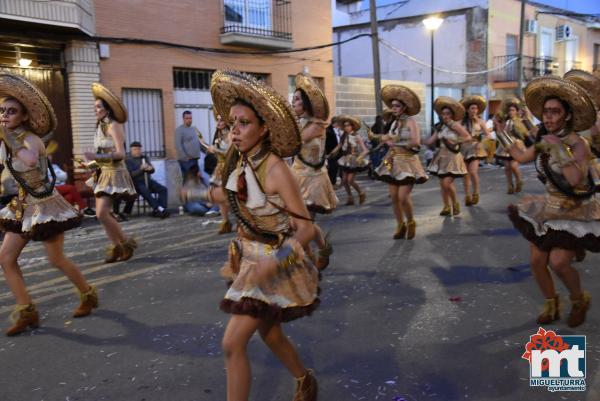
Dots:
(443, 317)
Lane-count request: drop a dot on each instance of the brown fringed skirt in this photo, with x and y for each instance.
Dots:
(401, 167)
(315, 187)
(473, 150)
(446, 163)
(553, 221)
(285, 297)
(42, 218)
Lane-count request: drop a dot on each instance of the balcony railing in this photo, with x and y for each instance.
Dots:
(532, 67)
(257, 23)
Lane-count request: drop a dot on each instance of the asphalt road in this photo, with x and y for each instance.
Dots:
(443, 317)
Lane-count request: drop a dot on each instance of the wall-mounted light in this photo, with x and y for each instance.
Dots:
(25, 62)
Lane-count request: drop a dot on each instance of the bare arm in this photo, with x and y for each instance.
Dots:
(312, 131)
(460, 130)
(431, 140)
(415, 133)
(115, 130)
(520, 155)
(363, 147)
(31, 152)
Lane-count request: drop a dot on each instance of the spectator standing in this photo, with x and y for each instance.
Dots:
(333, 134)
(141, 169)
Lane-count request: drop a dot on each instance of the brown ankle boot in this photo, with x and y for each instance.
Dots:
(475, 198)
(225, 227)
(350, 201)
(323, 255)
(362, 197)
(127, 248)
(22, 317)
(455, 209)
(519, 186)
(400, 231)
(551, 311)
(468, 201)
(510, 190)
(306, 387)
(113, 253)
(411, 228)
(89, 301)
(446, 211)
(579, 308)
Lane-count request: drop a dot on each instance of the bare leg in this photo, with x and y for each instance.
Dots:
(405, 200)
(560, 262)
(396, 206)
(473, 168)
(235, 340)
(444, 192)
(354, 183)
(514, 166)
(508, 173)
(346, 182)
(11, 248)
(450, 189)
(539, 267)
(111, 226)
(467, 182)
(56, 257)
(280, 345)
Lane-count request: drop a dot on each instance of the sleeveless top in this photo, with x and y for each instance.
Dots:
(103, 143)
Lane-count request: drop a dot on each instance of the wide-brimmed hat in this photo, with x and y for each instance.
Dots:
(403, 94)
(442, 102)
(118, 108)
(589, 82)
(42, 119)
(479, 100)
(582, 106)
(318, 101)
(228, 86)
(387, 114)
(510, 102)
(354, 121)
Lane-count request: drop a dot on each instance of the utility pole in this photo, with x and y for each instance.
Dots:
(520, 60)
(375, 50)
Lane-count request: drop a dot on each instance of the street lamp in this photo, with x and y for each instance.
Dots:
(432, 23)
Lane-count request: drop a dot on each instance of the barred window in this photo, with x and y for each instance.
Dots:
(200, 79)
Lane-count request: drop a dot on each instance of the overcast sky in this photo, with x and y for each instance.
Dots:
(580, 6)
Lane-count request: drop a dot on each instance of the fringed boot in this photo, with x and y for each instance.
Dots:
(475, 198)
(519, 186)
(579, 308)
(306, 387)
(411, 227)
(89, 301)
(127, 248)
(511, 189)
(446, 211)
(113, 253)
(362, 197)
(468, 201)
(23, 316)
(324, 254)
(350, 201)
(551, 311)
(400, 231)
(455, 209)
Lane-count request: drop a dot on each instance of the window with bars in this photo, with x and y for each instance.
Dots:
(12, 55)
(192, 79)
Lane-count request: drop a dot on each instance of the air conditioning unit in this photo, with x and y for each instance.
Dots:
(563, 32)
(531, 26)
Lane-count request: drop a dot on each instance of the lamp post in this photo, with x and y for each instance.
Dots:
(432, 23)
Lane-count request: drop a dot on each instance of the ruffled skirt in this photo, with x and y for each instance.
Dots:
(502, 154)
(351, 164)
(473, 150)
(116, 183)
(551, 221)
(316, 189)
(447, 164)
(285, 297)
(401, 168)
(42, 218)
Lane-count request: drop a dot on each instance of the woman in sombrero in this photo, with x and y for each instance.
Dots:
(312, 109)
(565, 221)
(112, 180)
(221, 144)
(472, 150)
(39, 212)
(272, 280)
(401, 167)
(591, 83)
(448, 163)
(510, 123)
(354, 159)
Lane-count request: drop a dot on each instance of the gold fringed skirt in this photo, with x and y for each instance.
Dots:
(351, 163)
(41, 218)
(401, 167)
(286, 296)
(115, 182)
(472, 150)
(315, 187)
(446, 163)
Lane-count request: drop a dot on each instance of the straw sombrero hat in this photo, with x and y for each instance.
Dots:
(318, 101)
(474, 99)
(118, 108)
(582, 105)
(509, 102)
(355, 122)
(589, 82)
(42, 119)
(403, 94)
(442, 102)
(228, 86)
